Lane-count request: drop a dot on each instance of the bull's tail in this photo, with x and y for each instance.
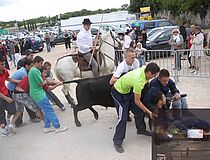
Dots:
(73, 81)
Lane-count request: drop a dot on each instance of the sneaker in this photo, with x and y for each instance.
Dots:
(146, 133)
(195, 73)
(119, 148)
(61, 129)
(4, 132)
(192, 71)
(48, 130)
(35, 120)
(11, 128)
(63, 108)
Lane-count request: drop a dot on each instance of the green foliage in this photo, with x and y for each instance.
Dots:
(135, 5)
(175, 6)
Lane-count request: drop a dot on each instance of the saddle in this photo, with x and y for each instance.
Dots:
(83, 64)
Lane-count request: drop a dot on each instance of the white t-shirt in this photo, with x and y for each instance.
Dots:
(127, 42)
(124, 68)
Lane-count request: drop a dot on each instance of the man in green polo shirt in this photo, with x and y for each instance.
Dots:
(126, 91)
(38, 94)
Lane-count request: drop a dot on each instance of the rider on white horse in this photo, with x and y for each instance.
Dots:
(85, 45)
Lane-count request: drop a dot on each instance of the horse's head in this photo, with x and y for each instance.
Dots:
(110, 39)
(108, 44)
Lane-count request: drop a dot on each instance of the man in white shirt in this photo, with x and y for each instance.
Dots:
(129, 63)
(85, 45)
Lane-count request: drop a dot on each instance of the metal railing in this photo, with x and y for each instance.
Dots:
(118, 56)
(178, 62)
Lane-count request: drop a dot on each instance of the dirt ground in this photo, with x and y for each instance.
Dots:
(94, 139)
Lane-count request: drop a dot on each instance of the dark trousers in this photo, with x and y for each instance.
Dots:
(178, 60)
(189, 58)
(54, 98)
(5, 106)
(123, 102)
(67, 45)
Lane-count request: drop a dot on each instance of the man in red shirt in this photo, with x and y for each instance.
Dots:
(22, 98)
(6, 103)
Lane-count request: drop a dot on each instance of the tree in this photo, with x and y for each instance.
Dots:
(195, 6)
(135, 7)
(124, 7)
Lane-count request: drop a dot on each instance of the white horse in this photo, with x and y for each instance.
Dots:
(66, 69)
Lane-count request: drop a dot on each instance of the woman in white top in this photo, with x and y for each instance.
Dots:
(176, 41)
(128, 40)
(196, 49)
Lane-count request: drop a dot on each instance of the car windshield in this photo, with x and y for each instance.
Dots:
(153, 36)
(151, 32)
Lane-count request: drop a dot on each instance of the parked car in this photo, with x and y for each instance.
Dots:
(59, 37)
(150, 24)
(33, 42)
(119, 33)
(159, 41)
(154, 30)
(124, 26)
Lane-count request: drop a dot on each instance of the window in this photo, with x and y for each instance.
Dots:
(94, 31)
(165, 36)
(165, 23)
(149, 25)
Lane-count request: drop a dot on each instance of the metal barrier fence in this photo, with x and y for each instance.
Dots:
(178, 62)
(118, 57)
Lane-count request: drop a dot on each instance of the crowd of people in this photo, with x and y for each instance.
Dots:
(68, 38)
(29, 87)
(194, 42)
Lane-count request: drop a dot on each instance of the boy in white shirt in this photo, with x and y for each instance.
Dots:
(129, 63)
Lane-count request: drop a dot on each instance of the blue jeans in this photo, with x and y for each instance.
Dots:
(141, 60)
(178, 104)
(54, 98)
(48, 47)
(49, 114)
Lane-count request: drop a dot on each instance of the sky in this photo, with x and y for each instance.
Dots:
(25, 9)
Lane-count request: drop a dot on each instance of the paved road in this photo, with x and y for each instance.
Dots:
(94, 139)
